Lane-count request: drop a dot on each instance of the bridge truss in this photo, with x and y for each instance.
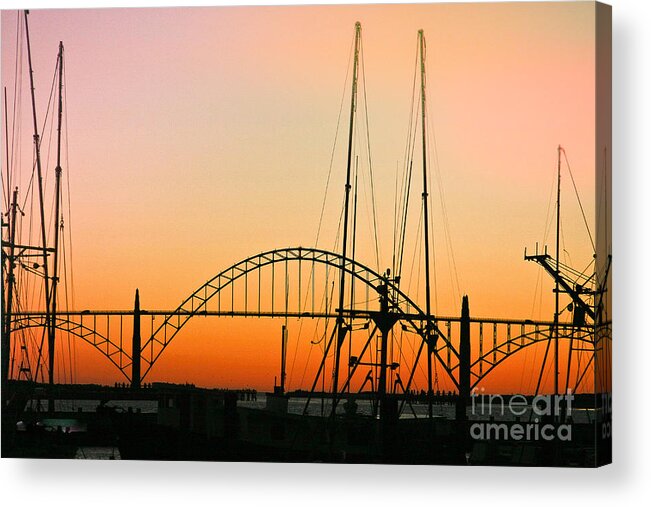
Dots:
(298, 283)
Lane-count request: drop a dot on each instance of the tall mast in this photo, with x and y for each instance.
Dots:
(352, 257)
(11, 258)
(558, 274)
(428, 329)
(57, 211)
(7, 144)
(6, 310)
(283, 358)
(37, 148)
(341, 325)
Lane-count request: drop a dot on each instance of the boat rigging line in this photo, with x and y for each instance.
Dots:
(18, 246)
(37, 147)
(428, 304)
(341, 329)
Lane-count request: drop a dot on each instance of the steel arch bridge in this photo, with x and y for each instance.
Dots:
(261, 286)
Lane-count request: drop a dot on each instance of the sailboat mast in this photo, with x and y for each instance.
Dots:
(352, 257)
(7, 145)
(39, 172)
(428, 309)
(6, 310)
(341, 325)
(558, 274)
(283, 358)
(11, 280)
(57, 212)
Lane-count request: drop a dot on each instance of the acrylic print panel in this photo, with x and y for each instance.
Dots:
(352, 234)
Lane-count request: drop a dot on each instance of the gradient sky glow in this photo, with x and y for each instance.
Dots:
(200, 136)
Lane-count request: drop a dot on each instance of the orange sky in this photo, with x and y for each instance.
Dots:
(199, 137)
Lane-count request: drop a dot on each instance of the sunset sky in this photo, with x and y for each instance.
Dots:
(197, 137)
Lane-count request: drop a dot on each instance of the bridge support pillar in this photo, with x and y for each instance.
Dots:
(463, 379)
(136, 344)
(464, 358)
(464, 350)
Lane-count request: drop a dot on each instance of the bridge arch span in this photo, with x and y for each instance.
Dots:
(196, 304)
(509, 348)
(115, 346)
(114, 352)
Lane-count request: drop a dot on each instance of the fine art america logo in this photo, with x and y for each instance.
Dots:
(543, 417)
